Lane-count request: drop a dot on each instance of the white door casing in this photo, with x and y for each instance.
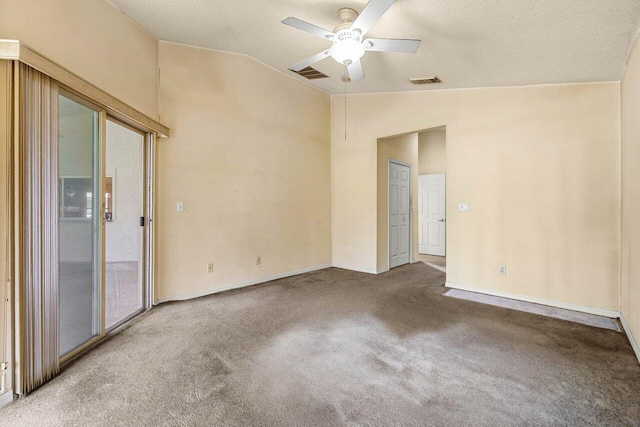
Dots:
(432, 214)
(399, 214)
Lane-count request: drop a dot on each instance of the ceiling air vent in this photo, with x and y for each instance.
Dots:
(426, 80)
(310, 73)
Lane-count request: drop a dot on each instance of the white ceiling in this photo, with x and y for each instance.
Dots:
(467, 43)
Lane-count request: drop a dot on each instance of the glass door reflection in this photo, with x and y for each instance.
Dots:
(79, 183)
(124, 233)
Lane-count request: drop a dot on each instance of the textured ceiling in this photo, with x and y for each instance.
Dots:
(467, 43)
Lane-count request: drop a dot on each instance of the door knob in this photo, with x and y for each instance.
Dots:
(442, 220)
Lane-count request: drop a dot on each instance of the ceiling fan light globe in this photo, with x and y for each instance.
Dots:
(347, 51)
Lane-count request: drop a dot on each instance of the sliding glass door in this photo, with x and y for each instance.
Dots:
(81, 252)
(102, 191)
(124, 217)
(79, 128)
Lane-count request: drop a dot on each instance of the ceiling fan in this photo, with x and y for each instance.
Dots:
(349, 44)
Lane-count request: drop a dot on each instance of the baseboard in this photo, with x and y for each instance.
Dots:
(632, 340)
(369, 271)
(6, 398)
(359, 270)
(575, 307)
(242, 285)
(437, 267)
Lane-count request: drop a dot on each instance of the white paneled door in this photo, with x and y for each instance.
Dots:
(431, 214)
(399, 214)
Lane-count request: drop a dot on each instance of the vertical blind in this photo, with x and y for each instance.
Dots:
(38, 290)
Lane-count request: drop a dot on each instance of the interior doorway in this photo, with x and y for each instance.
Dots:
(421, 153)
(432, 198)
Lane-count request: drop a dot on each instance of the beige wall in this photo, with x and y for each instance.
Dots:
(630, 270)
(538, 165)
(432, 151)
(249, 156)
(94, 40)
(403, 148)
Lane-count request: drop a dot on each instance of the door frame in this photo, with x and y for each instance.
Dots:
(398, 162)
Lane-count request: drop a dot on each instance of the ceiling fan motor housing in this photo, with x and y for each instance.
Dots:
(347, 18)
(347, 45)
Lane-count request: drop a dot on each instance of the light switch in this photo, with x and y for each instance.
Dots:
(463, 207)
(180, 207)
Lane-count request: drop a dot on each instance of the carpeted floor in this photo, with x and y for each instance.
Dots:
(336, 347)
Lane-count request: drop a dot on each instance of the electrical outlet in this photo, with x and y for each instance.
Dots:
(210, 268)
(503, 270)
(258, 260)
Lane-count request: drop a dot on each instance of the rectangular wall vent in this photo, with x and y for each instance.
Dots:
(426, 80)
(310, 73)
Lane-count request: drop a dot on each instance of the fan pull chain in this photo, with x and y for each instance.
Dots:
(346, 74)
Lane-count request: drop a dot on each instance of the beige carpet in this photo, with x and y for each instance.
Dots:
(335, 348)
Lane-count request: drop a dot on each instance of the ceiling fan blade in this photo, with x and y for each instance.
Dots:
(309, 28)
(370, 14)
(310, 61)
(392, 45)
(356, 72)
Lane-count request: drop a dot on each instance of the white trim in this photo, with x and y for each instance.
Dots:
(385, 269)
(242, 285)
(436, 266)
(627, 330)
(6, 398)
(360, 270)
(567, 306)
(428, 88)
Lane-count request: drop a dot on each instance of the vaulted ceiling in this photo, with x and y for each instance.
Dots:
(467, 43)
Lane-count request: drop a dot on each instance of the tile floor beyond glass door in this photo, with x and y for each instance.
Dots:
(123, 291)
